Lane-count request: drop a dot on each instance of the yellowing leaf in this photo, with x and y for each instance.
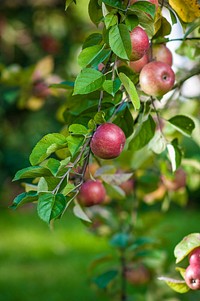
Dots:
(187, 10)
(43, 68)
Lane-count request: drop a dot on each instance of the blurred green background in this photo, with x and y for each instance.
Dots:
(36, 262)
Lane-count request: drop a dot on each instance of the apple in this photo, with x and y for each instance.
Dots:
(194, 257)
(137, 275)
(90, 170)
(50, 44)
(139, 43)
(127, 186)
(40, 89)
(155, 2)
(137, 66)
(156, 78)
(161, 53)
(108, 141)
(192, 276)
(91, 193)
(179, 180)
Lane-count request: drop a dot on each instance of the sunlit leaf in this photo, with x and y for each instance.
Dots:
(131, 90)
(120, 42)
(187, 244)
(183, 124)
(178, 286)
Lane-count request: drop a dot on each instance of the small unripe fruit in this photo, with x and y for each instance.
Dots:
(108, 141)
(194, 257)
(139, 42)
(137, 66)
(161, 53)
(156, 78)
(91, 193)
(192, 276)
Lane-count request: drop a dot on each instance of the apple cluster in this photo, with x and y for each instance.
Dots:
(192, 273)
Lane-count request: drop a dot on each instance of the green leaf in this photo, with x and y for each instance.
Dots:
(31, 172)
(95, 12)
(92, 40)
(87, 81)
(120, 240)
(88, 54)
(74, 144)
(131, 90)
(131, 22)
(110, 20)
(68, 189)
(158, 143)
(63, 85)
(120, 42)
(116, 179)
(187, 244)
(52, 164)
(78, 129)
(175, 154)
(78, 212)
(46, 146)
(144, 6)
(99, 117)
(42, 185)
(68, 2)
(104, 279)
(112, 86)
(183, 124)
(24, 198)
(115, 3)
(125, 120)
(50, 206)
(101, 57)
(178, 286)
(143, 134)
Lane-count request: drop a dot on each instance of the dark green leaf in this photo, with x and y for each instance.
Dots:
(24, 198)
(50, 206)
(46, 146)
(131, 22)
(125, 120)
(104, 279)
(120, 42)
(144, 6)
(32, 172)
(92, 40)
(88, 80)
(115, 3)
(143, 134)
(63, 85)
(120, 240)
(88, 54)
(95, 12)
(183, 124)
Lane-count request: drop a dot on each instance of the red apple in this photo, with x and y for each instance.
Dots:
(161, 53)
(192, 276)
(91, 193)
(155, 2)
(156, 78)
(128, 186)
(194, 257)
(137, 66)
(139, 42)
(108, 141)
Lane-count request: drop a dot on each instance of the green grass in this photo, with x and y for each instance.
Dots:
(39, 264)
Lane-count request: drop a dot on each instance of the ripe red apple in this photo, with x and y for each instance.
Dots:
(161, 53)
(139, 42)
(91, 193)
(155, 2)
(192, 276)
(194, 257)
(108, 141)
(137, 66)
(156, 78)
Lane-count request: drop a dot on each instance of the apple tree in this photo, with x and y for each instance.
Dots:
(122, 143)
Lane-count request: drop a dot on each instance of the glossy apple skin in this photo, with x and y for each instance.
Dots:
(91, 193)
(155, 2)
(139, 42)
(156, 78)
(194, 257)
(192, 276)
(161, 53)
(108, 141)
(137, 66)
